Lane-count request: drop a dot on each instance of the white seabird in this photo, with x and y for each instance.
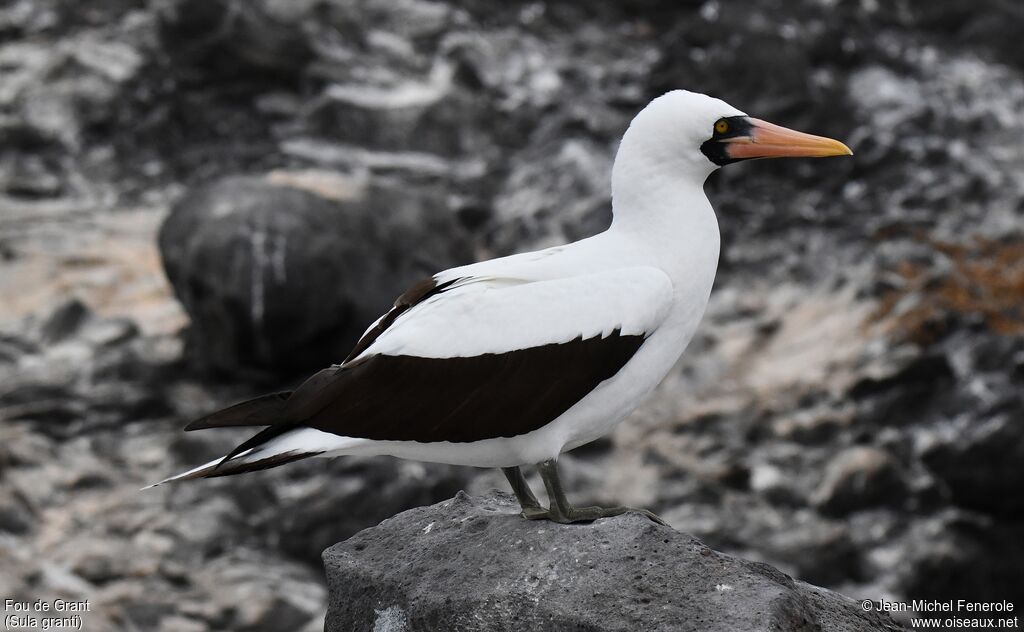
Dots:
(515, 360)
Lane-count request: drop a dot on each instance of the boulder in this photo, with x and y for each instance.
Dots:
(472, 563)
(17, 515)
(859, 477)
(978, 459)
(71, 370)
(267, 37)
(300, 510)
(280, 279)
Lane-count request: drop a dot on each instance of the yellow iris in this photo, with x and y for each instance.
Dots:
(722, 126)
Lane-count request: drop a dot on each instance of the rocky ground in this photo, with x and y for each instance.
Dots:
(851, 410)
(615, 574)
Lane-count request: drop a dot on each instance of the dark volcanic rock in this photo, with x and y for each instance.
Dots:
(859, 477)
(16, 514)
(265, 37)
(472, 563)
(980, 461)
(64, 321)
(253, 264)
(75, 371)
(939, 557)
(301, 509)
(279, 279)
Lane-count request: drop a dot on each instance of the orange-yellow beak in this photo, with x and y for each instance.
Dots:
(767, 140)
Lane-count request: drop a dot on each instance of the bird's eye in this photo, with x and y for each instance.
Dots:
(722, 126)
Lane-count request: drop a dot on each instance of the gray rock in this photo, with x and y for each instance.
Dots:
(472, 563)
(859, 477)
(17, 515)
(280, 279)
(557, 194)
(421, 115)
(28, 176)
(76, 370)
(979, 459)
(301, 510)
(940, 555)
(265, 37)
(66, 318)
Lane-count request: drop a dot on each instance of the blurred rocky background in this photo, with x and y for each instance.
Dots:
(851, 411)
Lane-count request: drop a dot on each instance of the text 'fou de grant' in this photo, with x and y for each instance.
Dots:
(44, 605)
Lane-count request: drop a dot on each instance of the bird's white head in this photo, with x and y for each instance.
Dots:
(684, 134)
(690, 135)
(674, 144)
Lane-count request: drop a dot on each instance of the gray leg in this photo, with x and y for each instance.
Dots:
(562, 511)
(529, 503)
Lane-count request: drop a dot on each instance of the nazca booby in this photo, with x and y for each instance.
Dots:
(512, 361)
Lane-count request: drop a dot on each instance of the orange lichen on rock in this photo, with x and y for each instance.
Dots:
(985, 279)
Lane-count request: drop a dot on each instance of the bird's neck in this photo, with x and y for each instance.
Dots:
(661, 204)
(662, 217)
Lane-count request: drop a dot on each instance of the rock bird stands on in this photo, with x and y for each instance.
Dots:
(513, 361)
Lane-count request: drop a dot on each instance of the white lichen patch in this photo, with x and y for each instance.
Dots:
(391, 619)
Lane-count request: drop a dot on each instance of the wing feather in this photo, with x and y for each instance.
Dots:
(496, 315)
(473, 358)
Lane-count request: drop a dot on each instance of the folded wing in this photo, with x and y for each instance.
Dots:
(475, 359)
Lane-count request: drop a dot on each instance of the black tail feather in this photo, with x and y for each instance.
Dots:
(262, 411)
(236, 467)
(257, 440)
